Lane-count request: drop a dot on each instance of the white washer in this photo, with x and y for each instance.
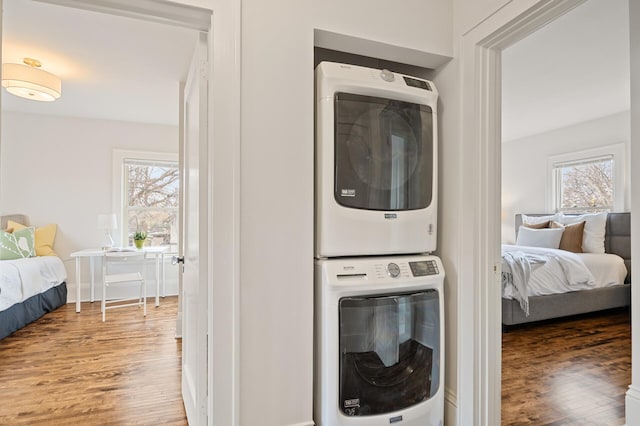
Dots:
(379, 336)
(376, 162)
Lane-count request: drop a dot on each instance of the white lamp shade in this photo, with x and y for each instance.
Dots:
(107, 221)
(31, 82)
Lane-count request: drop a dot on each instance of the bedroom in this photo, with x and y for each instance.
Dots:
(58, 159)
(550, 122)
(74, 143)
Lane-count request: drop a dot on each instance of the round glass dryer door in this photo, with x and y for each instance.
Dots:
(383, 153)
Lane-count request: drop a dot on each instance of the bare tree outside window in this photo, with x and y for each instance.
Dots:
(152, 190)
(585, 186)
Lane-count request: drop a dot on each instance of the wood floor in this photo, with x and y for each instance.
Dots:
(72, 369)
(572, 372)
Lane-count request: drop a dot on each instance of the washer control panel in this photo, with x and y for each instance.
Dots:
(378, 270)
(423, 268)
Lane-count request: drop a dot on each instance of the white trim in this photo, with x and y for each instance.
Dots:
(632, 404)
(617, 151)
(479, 308)
(159, 11)
(632, 399)
(118, 157)
(224, 218)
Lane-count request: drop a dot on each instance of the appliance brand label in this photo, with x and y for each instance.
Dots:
(348, 193)
(350, 403)
(390, 216)
(395, 419)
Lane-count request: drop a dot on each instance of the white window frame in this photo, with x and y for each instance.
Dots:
(119, 157)
(617, 152)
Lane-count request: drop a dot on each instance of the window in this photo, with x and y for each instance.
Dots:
(588, 181)
(149, 197)
(586, 185)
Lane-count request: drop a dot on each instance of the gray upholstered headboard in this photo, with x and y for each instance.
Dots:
(20, 218)
(617, 239)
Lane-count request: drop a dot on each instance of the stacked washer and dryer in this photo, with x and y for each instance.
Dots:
(379, 339)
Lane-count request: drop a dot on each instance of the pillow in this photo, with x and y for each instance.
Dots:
(594, 230)
(540, 225)
(17, 245)
(547, 238)
(571, 237)
(44, 237)
(534, 220)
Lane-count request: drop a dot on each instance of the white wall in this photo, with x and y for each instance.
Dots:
(525, 180)
(59, 170)
(446, 80)
(276, 224)
(419, 32)
(470, 13)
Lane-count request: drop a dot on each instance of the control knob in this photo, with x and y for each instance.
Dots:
(393, 270)
(387, 75)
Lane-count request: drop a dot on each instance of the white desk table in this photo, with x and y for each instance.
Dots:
(92, 254)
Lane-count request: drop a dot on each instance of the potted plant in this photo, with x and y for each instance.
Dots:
(139, 237)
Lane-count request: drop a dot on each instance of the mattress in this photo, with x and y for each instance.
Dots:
(22, 279)
(561, 271)
(607, 269)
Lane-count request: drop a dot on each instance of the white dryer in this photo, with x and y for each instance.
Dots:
(379, 341)
(376, 162)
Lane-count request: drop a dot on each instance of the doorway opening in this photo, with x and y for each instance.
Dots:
(227, 21)
(552, 122)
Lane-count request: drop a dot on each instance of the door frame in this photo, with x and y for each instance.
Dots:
(479, 308)
(223, 180)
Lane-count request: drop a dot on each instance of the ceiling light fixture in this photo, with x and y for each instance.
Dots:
(30, 82)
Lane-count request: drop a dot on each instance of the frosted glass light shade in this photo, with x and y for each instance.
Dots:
(107, 221)
(31, 82)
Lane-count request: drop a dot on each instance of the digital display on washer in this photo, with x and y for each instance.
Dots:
(414, 82)
(423, 268)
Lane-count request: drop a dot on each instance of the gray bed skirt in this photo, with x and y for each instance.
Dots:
(566, 304)
(21, 314)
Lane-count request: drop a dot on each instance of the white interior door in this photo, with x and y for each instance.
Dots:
(194, 250)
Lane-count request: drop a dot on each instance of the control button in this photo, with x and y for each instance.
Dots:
(387, 75)
(393, 270)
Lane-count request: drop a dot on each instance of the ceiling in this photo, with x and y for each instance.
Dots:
(574, 69)
(111, 67)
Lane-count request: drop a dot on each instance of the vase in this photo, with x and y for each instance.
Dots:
(139, 243)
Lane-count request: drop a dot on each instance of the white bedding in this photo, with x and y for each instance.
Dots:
(607, 269)
(22, 278)
(564, 271)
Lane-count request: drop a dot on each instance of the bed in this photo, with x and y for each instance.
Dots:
(608, 286)
(29, 287)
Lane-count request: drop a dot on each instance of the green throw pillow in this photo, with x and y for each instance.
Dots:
(18, 244)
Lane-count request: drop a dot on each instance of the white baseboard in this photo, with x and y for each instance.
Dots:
(632, 405)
